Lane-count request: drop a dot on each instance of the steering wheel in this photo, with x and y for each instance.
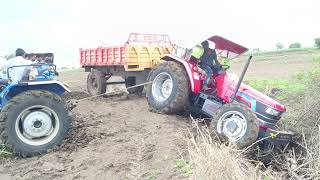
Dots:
(45, 72)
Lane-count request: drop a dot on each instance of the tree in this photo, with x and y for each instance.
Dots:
(279, 46)
(317, 42)
(295, 45)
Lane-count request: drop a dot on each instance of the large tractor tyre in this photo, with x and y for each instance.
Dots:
(34, 122)
(169, 91)
(131, 81)
(236, 123)
(96, 83)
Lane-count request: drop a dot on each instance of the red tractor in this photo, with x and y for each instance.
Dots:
(239, 113)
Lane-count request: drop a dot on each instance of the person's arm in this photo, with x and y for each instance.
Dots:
(202, 60)
(215, 58)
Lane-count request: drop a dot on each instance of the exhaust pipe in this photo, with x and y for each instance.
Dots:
(241, 79)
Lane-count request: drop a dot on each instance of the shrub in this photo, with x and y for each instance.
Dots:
(317, 42)
(295, 45)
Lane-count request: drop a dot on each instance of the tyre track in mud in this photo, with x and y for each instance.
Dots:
(111, 138)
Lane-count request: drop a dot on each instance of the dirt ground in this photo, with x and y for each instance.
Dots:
(118, 138)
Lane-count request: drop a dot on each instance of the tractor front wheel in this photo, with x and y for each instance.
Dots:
(169, 91)
(34, 122)
(236, 123)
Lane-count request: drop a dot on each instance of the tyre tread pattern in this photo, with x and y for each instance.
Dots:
(101, 80)
(180, 102)
(11, 105)
(252, 125)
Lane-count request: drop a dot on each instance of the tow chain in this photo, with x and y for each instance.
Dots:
(73, 103)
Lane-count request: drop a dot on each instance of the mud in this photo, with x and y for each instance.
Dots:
(110, 139)
(113, 137)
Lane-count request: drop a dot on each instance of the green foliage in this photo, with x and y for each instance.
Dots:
(317, 42)
(312, 74)
(284, 85)
(153, 175)
(184, 166)
(295, 45)
(298, 85)
(279, 46)
(4, 152)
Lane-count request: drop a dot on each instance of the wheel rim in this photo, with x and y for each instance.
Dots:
(37, 125)
(233, 125)
(162, 87)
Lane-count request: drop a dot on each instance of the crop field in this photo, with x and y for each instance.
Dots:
(119, 138)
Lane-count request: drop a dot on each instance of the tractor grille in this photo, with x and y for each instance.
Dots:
(261, 113)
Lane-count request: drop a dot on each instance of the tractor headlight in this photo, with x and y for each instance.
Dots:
(272, 111)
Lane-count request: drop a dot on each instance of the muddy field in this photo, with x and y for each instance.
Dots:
(118, 138)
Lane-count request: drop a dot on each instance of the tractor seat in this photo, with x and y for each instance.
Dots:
(4, 82)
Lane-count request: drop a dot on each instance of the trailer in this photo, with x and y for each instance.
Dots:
(132, 61)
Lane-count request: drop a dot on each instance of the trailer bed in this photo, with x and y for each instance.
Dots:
(141, 51)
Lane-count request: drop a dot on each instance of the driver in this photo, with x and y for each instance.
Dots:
(17, 73)
(209, 62)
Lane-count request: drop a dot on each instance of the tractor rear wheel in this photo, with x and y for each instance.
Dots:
(169, 91)
(96, 82)
(236, 123)
(34, 122)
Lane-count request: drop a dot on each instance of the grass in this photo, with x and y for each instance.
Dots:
(303, 117)
(184, 166)
(153, 175)
(287, 86)
(282, 51)
(295, 86)
(283, 55)
(210, 159)
(4, 152)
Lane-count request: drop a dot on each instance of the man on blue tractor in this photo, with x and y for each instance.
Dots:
(33, 116)
(17, 73)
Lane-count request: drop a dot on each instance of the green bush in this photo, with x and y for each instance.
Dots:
(295, 45)
(317, 42)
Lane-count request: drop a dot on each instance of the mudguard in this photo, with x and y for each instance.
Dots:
(14, 89)
(191, 69)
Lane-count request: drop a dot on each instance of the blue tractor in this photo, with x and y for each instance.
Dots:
(33, 118)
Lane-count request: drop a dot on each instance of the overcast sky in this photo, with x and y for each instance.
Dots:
(63, 26)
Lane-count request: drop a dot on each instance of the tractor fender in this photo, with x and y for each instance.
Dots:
(61, 88)
(52, 86)
(192, 71)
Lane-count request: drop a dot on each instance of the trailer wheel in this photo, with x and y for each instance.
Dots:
(236, 123)
(169, 91)
(34, 122)
(131, 81)
(96, 83)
